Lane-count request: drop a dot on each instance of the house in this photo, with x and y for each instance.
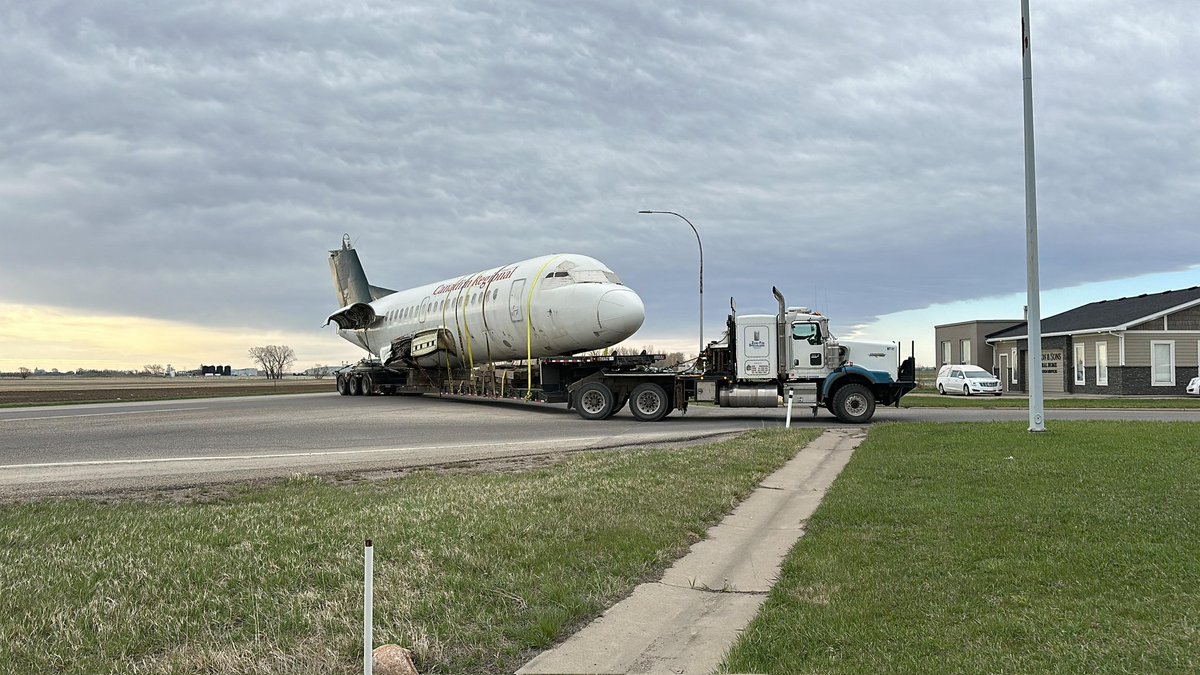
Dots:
(1143, 345)
(965, 342)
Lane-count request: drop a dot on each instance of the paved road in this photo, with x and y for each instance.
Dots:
(71, 449)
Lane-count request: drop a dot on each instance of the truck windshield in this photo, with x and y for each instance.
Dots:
(806, 331)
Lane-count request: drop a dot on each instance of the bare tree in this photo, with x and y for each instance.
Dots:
(274, 359)
(24, 372)
(154, 369)
(319, 371)
(672, 359)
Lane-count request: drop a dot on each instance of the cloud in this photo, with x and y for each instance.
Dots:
(193, 163)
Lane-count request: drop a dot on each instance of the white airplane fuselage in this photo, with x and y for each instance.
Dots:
(546, 306)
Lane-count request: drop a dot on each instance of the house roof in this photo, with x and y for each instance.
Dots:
(1116, 314)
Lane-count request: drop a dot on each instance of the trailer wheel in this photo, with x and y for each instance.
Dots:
(594, 401)
(368, 385)
(343, 385)
(648, 402)
(355, 386)
(854, 404)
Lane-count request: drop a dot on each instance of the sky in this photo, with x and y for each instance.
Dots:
(172, 175)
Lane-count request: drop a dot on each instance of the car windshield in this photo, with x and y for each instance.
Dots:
(978, 375)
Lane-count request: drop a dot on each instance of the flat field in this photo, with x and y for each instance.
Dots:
(65, 389)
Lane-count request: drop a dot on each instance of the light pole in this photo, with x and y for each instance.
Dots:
(700, 353)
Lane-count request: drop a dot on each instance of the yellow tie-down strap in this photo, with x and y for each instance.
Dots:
(529, 329)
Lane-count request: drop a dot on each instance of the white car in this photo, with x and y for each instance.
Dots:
(967, 380)
(1194, 386)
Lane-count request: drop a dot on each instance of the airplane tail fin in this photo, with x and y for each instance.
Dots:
(349, 280)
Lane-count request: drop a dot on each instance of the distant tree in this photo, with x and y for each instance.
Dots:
(672, 359)
(24, 372)
(319, 371)
(274, 359)
(154, 369)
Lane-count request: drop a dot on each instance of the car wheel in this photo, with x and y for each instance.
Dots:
(941, 390)
(648, 402)
(594, 401)
(966, 390)
(854, 404)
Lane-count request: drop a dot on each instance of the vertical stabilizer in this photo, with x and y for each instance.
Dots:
(349, 280)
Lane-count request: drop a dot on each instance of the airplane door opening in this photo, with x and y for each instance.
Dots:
(422, 309)
(514, 300)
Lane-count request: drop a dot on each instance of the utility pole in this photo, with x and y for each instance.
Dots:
(1037, 416)
(700, 353)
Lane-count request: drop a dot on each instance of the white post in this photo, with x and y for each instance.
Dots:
(1034, 369)
(368, 602)
(788, 423)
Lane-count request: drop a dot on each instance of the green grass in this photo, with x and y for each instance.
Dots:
(936, 401)
(475, 572)
(986, 549)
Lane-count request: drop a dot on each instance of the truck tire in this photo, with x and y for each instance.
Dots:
(649, 402)
(854, 404)
(343, 385)
(594, 401)
(355, 386)
(368, 385)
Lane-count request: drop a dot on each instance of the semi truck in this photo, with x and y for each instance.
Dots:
(760, 361)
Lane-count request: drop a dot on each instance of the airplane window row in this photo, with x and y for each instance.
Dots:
(410, 312)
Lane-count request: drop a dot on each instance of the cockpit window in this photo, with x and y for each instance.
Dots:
(589, 276)
(568, 272)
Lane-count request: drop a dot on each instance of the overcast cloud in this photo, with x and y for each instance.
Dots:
(195, 161)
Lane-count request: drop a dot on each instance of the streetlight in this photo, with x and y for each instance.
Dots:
(700, 353)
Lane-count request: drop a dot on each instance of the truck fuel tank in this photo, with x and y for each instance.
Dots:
(749, 397)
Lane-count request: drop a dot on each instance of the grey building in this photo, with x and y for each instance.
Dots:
(966, 342)
(1143, 345)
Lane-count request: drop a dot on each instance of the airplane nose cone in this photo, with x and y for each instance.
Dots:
(620, 311)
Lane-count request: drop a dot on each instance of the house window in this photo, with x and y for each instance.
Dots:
(964, 351)
(1016, 367)
(1162, 363)
(1080, 367)
(946, 352)
(1101, 364)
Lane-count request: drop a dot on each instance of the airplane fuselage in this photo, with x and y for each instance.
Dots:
(550, 305)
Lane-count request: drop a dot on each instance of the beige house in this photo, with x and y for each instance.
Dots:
(965, 342)
(1143, 345)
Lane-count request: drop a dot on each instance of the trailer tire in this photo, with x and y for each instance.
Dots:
(343, 385)
(355, 386)
(368, 385)
(649, 402)
(854, 404)
(595, 401)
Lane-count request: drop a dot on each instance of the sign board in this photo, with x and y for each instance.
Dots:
(1052, 363)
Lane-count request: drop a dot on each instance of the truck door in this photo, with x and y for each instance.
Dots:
(807, 350)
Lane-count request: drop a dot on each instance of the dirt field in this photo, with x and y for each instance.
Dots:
(59, 390)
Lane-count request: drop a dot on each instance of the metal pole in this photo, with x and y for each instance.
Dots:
(368, 607)
(699, 353)
(788, 423)
(1034, 369)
